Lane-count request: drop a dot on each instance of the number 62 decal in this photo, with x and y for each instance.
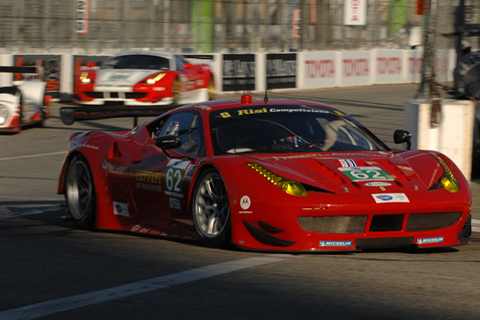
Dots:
(366, 174)
(174, 173)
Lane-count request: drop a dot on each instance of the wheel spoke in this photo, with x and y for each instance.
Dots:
(211, 209)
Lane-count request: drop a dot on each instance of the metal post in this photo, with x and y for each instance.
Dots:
(428, 87)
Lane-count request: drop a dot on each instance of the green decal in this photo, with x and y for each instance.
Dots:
(173, 182)
(366, 174)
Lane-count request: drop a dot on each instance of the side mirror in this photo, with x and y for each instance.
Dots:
(168, 142)
(188, 65)
(401, 136)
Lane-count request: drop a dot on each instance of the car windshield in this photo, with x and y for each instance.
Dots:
(141, 61)
(288, 129)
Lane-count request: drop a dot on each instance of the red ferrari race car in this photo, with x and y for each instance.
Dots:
(285, 175)
(144, 78)
(24, 104)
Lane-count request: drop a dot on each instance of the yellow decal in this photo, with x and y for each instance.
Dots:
(251, 111)
(149, 177)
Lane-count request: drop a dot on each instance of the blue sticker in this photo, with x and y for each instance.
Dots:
(336, 243)
(430, 240)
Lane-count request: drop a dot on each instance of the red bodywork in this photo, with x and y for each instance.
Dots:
(130, 170)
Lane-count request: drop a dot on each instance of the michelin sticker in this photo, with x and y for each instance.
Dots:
(174, 173)
(430, 240)
(390, 197)
(336, 243)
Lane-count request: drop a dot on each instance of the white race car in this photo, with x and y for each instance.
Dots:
(25, 104)
(144, 78)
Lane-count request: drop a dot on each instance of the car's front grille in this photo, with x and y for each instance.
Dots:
(333, 224)
(378, 223)
(96, 95)
(386, 223)
(432, 221)
(135, 95)
(116, 95)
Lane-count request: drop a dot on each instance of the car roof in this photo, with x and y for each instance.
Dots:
(243, 101)
(159, 53)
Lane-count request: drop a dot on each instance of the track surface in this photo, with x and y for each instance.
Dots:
(50, 270)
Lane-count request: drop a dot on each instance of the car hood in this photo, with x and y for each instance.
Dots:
(121, 77)
(359, 172)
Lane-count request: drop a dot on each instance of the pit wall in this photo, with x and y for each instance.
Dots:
(256, 72)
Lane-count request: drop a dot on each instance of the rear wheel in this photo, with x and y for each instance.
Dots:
(80, 193)
(211, 210)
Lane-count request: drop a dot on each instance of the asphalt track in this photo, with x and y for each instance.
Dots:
(50, 270)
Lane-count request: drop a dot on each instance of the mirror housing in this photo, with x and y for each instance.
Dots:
(168, 142)
(401, 136)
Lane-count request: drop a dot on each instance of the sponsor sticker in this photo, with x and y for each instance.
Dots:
(190, 170)
(390, 197)
(245, 203)
(335, 243)
(175, 203)
(430, 240)
(120, 209)
(347, 163)
(365, 174)
(377, 184)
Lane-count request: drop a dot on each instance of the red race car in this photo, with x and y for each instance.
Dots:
(146, 78)
(284, 175)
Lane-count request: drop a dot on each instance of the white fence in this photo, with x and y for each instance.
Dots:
(260, 71)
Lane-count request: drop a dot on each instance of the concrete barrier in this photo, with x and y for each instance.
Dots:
(254, 72)
(453, 137)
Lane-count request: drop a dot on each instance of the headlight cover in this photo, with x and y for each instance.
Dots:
(84, 78)
(155, 79)
(291, 187)
(3, 114)
(447, 180)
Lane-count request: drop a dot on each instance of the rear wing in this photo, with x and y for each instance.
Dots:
(29, 73)
(69, 115)
(18, 69)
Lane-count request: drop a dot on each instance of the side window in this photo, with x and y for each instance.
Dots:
(188, 127)
(180, 62)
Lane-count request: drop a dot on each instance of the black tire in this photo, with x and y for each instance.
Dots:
(80, 193)
(211, 210)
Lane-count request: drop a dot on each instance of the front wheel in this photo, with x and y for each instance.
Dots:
(80, 193)
(211, 210)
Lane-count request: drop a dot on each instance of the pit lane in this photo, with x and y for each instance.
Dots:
(50, 269)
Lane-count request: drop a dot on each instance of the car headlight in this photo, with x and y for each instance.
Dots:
(154, 80)
(447, 180)
(84, 78)
(291, 187)
(3, 114)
